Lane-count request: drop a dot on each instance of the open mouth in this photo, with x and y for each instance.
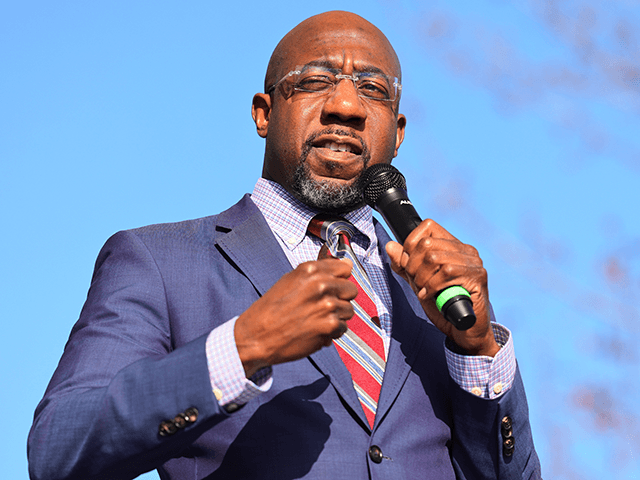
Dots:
(345, 145)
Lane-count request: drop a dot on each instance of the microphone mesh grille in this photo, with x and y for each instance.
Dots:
(379, 178)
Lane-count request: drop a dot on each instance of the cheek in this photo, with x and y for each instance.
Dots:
(383, 137)
(289, 127)
(293, 123)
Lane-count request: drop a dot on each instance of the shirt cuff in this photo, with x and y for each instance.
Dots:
(486, 377)
(228, 381)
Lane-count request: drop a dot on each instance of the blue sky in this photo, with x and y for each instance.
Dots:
(521, 140)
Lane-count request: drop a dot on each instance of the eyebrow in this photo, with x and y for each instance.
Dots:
(329, 64)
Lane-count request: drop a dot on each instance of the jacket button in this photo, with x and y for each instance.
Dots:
(167, 428)
(506, 424)
(181, 420)
(191, 414)
(375, 454)
(508, 446)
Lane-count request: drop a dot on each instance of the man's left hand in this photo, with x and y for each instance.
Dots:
(431, 260)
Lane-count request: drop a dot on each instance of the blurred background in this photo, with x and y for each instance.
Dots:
(522, 139)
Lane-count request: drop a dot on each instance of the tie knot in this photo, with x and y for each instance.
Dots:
(328, 227)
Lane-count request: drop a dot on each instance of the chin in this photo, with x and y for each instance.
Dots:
(326, 195)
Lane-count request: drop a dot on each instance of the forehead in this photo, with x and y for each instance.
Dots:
(359, 48)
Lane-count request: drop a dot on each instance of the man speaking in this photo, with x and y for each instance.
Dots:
(288, 337)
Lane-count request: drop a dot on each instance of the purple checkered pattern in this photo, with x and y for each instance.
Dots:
(226, 372)
(487, 377)
(288, 219)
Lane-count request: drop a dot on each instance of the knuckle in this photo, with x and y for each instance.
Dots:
(449, 269)
(308, 268)
(321, 287)
(426, 243)
(330, 304)
(333, 327)
(431, 257)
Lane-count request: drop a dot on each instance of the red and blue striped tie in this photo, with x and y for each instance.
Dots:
(361, 347)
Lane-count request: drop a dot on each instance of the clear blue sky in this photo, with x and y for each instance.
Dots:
(522, 139)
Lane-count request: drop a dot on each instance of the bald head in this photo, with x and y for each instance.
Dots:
(319, 34)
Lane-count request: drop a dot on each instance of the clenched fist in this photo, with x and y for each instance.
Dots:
(304, 311)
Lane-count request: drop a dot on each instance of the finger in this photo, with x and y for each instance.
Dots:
(338, 312)
(445, 245)
(434, 260)
(327, 266)
(327, 288)
(338, 267)
(397, 255)
(448, 276)
(344, 310)
(346, 290)
(428, 228)
(460, 275)
(394, 250)
(341, 329)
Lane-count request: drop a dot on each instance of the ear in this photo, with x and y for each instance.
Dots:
(260, 110)
(400, 124)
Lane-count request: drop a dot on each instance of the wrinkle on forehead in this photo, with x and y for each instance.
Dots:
(321, 37)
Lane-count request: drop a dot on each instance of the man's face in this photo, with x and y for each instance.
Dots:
(318, 145)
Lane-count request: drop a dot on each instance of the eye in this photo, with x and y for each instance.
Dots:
(373, 88)
(314, 83)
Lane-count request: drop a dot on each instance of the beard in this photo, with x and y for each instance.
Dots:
(324, 195)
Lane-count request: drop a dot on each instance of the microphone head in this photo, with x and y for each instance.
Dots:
(378, 179)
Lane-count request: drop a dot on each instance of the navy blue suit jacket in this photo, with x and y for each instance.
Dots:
(137, 357)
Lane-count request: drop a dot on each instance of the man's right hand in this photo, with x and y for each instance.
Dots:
(304, 311)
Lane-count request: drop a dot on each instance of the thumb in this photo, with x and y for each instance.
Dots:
(395, 252)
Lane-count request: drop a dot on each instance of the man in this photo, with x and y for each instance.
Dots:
(209, 348)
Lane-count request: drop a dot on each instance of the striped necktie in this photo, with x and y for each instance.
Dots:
(361, 347)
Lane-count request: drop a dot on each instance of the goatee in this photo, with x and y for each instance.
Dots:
(324, 195)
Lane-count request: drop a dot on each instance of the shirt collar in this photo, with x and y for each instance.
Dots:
(288, 217)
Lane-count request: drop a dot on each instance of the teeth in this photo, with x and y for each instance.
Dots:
(338, 147)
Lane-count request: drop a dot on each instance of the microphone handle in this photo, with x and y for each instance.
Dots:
(400, 215)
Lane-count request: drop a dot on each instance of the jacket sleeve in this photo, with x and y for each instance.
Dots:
(492, 438)
(120, 377)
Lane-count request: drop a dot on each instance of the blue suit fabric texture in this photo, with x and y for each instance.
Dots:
(136, 357)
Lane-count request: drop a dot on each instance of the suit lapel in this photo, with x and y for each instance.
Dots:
(409, 323)
(328, 362)
(406, 336)
(251, 245)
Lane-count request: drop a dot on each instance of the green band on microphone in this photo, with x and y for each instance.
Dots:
(448, 293)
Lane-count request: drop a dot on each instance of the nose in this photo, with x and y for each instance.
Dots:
(344, 104)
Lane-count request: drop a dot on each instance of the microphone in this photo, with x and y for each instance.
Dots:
(385, 189)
